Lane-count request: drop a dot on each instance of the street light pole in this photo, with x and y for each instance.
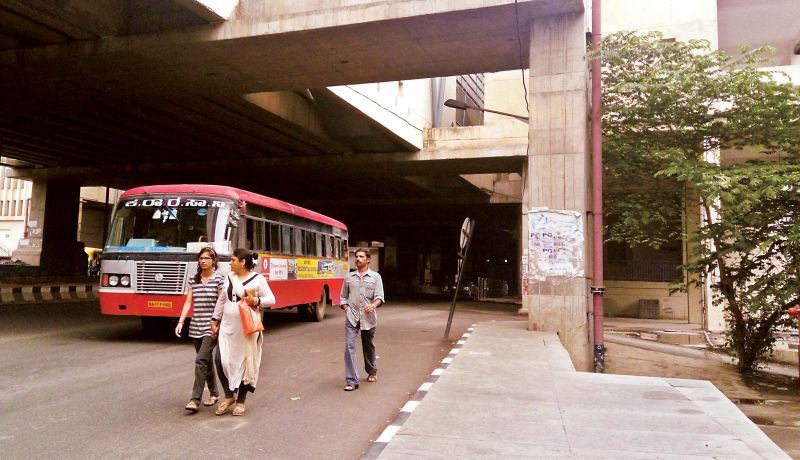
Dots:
(461, 105)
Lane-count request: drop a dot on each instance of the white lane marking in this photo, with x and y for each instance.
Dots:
(410, 406)
(388, 433)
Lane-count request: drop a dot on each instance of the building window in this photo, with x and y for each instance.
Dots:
(470, 89)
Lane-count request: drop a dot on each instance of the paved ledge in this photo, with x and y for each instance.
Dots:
(36, 293)
(509, 392)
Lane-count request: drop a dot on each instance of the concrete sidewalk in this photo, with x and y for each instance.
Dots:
(508, 392)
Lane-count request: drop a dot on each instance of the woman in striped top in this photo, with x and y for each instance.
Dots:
(204, 288)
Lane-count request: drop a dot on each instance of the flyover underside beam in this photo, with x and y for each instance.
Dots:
(393, 164)
(114, 131)
(417, 39)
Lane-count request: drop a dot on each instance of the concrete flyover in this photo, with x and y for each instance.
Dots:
(103, 85)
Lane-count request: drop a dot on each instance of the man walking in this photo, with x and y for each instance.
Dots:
(362, 293)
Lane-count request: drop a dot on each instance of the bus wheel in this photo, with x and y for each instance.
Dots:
(314, 311)
(318, 308)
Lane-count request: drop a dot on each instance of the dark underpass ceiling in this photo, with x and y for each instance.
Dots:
(131, 92)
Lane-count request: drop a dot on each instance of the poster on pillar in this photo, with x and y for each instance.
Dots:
(555, 244)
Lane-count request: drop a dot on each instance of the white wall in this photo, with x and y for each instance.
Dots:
(505, 93)
(403, 107)
(772, 22)
(13, 193)
(679, 19)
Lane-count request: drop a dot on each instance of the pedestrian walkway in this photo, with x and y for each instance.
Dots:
(508, 392)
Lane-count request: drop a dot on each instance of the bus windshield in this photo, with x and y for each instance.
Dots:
(172, 224)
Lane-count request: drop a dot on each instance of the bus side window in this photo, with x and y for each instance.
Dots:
(258, 235)
(310, 248)
(299, 238)
(249, 230)
(297, 242)
(286, 240)
(275, 238)
(266, 245)
(318, 244)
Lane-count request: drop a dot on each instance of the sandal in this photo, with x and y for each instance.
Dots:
(224, 406)
(239, 409)
(192, 406)
(351, 387)
(211, 400)
(372, 378)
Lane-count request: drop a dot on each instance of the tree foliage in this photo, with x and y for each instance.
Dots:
(673, 113)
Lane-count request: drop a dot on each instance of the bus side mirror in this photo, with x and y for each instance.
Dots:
(233, 222)
(233, 219)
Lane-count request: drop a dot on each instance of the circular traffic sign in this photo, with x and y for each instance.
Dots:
(465, 228)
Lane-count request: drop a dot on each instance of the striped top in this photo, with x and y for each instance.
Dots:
(204, 299)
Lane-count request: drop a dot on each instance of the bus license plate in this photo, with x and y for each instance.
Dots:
(158, 304)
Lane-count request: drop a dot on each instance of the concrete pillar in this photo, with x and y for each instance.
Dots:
(556, 279)
(52, 228)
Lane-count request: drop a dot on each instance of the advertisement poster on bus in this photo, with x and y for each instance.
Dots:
(306, 269)
(325, 268)
(301, 269)
(278, 269)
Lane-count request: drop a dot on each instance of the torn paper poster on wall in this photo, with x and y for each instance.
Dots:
(555, 244)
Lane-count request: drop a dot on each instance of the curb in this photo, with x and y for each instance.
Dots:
(678, 350)
(405, 412)
(47, 293)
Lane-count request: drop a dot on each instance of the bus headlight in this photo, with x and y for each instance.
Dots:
(125, 280)
(113, 280)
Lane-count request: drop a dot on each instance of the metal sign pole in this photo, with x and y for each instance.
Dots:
(465, 240)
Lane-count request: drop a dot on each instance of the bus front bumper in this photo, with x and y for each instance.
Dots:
(132, 304)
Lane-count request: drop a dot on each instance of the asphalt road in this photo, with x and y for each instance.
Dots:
(76, 384)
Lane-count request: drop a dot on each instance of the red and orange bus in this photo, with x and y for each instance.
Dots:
(158, 230)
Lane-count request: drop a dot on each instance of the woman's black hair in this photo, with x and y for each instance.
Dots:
(214, 261)
(247, 256)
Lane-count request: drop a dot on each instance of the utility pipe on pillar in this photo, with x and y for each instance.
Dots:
(597, 195)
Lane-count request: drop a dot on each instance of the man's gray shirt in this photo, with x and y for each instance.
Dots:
(359, 291)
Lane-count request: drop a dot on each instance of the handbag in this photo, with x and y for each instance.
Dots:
(251, 319)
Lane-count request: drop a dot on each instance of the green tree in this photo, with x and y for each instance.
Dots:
(669, 107)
